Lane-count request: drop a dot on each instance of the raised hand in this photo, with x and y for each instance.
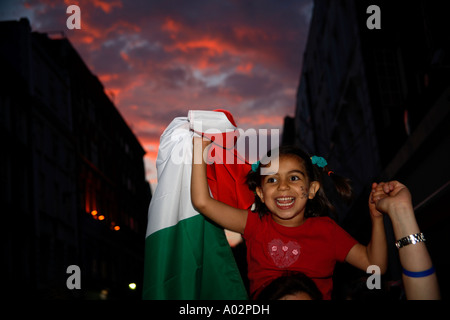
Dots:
(392, 195)
(376, 193)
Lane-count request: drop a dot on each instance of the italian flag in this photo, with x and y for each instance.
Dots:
(186, 255)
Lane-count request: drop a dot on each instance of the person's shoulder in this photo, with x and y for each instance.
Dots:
(252, 214)
(254, 223)
(254, 218)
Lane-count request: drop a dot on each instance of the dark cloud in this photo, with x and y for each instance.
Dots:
(250, 86)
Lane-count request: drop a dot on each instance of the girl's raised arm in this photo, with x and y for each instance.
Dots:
(224, 215)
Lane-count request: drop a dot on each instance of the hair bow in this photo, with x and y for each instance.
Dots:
(319, 161)
(255, 166)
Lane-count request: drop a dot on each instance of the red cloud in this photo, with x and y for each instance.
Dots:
(245, 67)
(171, 26)
(262, 121)
(107, 6)
(252, 34)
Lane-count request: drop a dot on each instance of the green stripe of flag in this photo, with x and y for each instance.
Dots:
(191, 260)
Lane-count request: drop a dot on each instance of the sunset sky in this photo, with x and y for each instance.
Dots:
(157, 59)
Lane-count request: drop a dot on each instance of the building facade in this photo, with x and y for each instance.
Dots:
(73, 180)
(375, 103)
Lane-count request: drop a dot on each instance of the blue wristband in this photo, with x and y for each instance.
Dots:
(419, 274)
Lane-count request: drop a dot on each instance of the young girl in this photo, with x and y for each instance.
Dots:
(290, 230)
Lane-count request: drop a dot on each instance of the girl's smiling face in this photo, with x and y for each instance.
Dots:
(286, 192)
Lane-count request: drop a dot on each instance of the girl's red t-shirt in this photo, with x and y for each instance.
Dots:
(312, 248)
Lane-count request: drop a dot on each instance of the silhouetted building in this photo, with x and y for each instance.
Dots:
(288, 136)
(375, 103)
(334, 112)
(72, 174)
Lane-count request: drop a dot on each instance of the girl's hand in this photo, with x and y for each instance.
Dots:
(201, 140)
(376, 193)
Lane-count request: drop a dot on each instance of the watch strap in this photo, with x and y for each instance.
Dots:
(411, 239)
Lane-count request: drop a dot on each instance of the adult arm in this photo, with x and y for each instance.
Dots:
(413, 257)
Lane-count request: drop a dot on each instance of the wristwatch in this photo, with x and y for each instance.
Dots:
(411, 239)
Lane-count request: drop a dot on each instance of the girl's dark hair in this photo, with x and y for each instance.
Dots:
(290, 283)
(319, 205)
